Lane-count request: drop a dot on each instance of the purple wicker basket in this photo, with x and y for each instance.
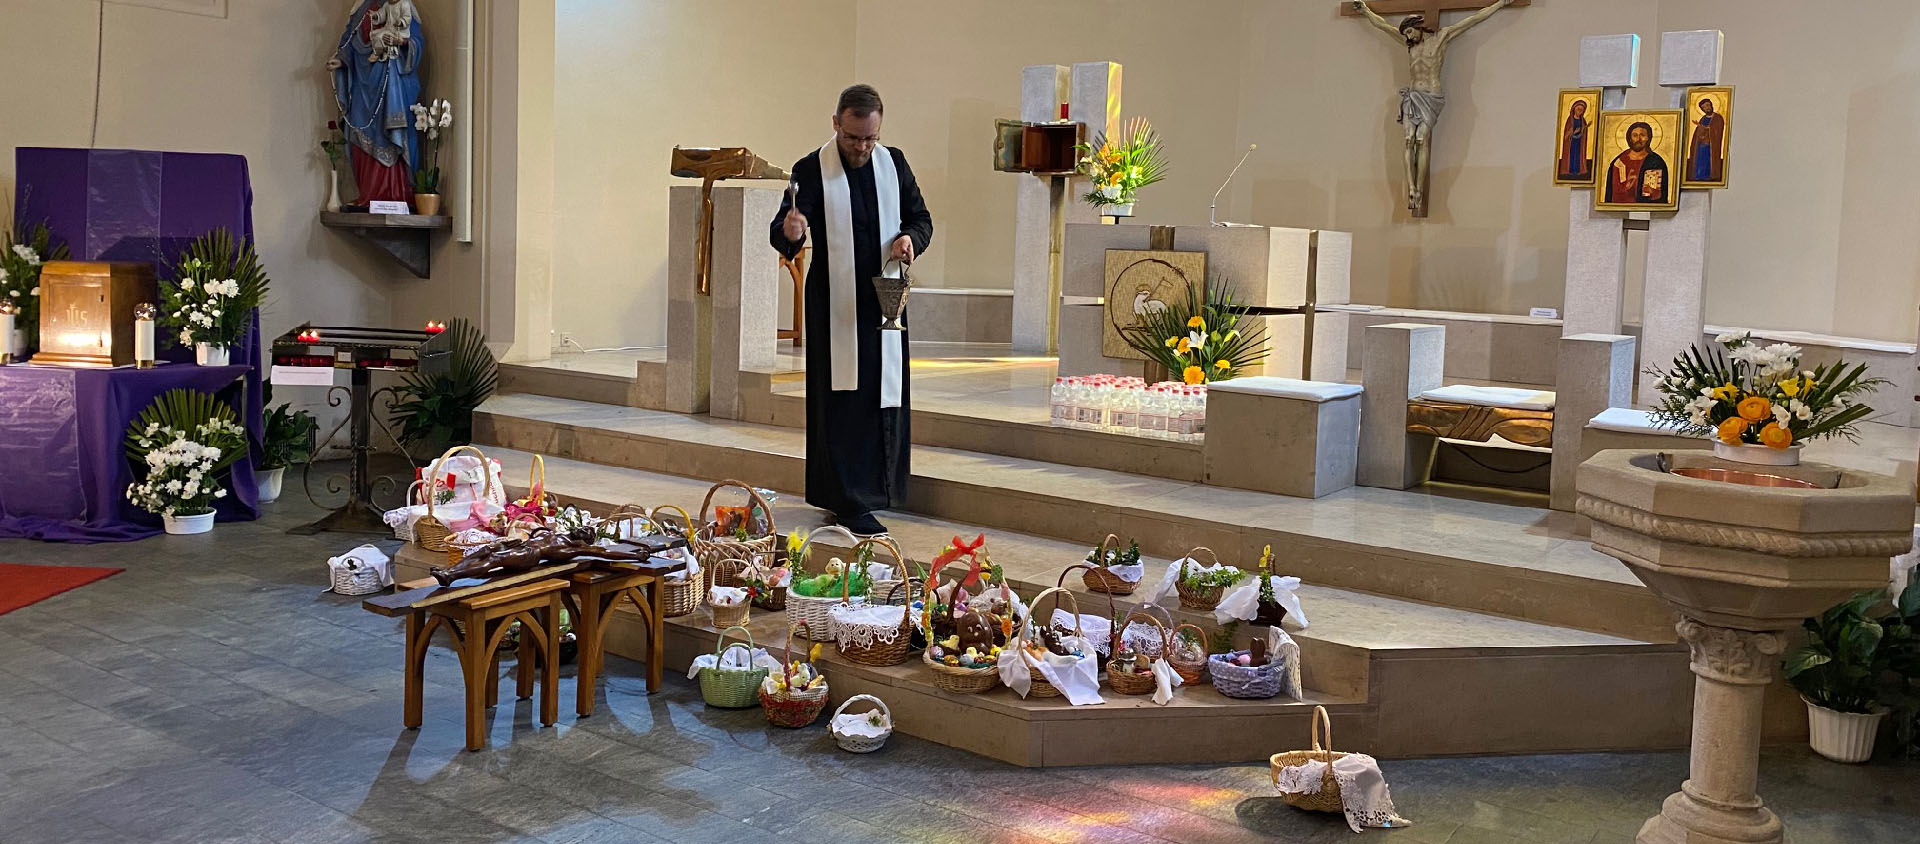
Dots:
(1258, 681)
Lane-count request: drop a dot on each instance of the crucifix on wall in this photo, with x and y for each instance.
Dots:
(1426, 43)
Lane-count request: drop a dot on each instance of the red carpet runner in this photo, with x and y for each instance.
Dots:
(22, 586)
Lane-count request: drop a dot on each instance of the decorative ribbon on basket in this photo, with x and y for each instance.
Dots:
(1111, 579)
(712, 544)
(871, 634)
(969, 632)
(1145, 671)
(794, 698)
(861, 732)
(680, 591)
(1077, 677)
(730, 676)
(431, 530)
(537, 506)
(1326, 780)
(808, 615)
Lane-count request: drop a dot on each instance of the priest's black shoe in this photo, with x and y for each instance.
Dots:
(862, 525)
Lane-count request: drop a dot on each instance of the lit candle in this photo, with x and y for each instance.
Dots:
(435, 327)
(7, 310)
(143, 346)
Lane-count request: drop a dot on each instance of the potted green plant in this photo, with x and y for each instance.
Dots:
(286, 439)
(1840, 672)
(436, 407)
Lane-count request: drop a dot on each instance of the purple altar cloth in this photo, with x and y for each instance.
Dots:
(121, 205)
(64, 470)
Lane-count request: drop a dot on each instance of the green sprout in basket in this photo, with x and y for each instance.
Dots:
(1200, 338)
(1199, 579)
(1753, 394)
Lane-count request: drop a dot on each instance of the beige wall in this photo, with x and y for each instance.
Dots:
(1815, 234)
(635, 77)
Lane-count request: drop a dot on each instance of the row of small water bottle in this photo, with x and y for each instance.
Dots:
(1121, 404)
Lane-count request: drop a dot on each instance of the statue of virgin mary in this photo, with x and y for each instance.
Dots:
(376, 81)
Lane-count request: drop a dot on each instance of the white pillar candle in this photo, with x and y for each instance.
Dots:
(143, 341)
(6, 334)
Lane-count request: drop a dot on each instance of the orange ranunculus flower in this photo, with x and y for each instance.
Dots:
(1774, 436)
(1731, 429)
(1755, 408)
(1193, 375)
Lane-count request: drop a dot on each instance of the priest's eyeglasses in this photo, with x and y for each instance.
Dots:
(868, 140)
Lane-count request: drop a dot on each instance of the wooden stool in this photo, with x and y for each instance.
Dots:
(591, 597)
(478, 625)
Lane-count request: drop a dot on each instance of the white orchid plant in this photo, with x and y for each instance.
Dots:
(428, 120)
(1746, 393)
(180, 467)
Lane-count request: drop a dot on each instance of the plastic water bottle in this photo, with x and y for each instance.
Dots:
(1057, 402)
(1126, 410)
(1153, 415)
(1189, 415)
(1200, 413)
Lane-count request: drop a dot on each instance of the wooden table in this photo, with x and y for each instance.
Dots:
(591, 597)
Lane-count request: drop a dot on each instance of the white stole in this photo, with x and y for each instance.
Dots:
(842, 312)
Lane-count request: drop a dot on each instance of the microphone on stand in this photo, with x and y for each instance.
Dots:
(1223, 185)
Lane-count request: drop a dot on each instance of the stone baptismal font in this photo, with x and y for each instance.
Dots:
(1743, 553)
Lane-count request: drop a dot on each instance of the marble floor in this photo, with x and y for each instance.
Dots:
(213, 693)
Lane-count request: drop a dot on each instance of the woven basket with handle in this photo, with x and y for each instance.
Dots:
(808, 615)
(404, 530)
(860, 744)
(677, 597)
(789, 708)
(710, 546)
(1040, 687)
(954, 678)
(1099, 578)
(1327, 799)
(1203, 598)
(876, 652)
(1193, 671)
(428, 530)
(1139, 682)
(1112, 610)
(732, 688)
(728, 616)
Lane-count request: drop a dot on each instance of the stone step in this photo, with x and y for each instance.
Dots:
(1483, 556)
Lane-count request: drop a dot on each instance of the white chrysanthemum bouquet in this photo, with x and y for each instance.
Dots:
(1746, 393)
(180, 467)
(215, 287)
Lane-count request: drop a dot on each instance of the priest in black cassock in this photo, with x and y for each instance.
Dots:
(864, 209)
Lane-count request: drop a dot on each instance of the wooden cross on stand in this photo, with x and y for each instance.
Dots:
(1428, 9)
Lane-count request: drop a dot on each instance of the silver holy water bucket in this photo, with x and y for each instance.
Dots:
(893, 297)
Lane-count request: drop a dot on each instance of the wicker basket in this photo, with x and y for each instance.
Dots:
(1327, 799)
(860, 744)
(792, 709)
(404, 530)
(876, 651)
(807, 613)
(1203, 598)
(1099, 578)
(723, 616)
(709, 547)
(1113, 637)
(428, 530)
(1139, 683)
(354, 578)
(962, 681)
(677, 597)
(1254, 682)
(1190, 672)
(1040, 687)
(732, 688)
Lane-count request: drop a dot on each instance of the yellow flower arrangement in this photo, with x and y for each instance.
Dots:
(1774, 436)
(1193, 375)
(1182, 347)
(1197, 322)
(1731, 428)
(1755, 408)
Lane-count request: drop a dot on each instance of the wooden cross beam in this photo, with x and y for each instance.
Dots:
(1429, 9)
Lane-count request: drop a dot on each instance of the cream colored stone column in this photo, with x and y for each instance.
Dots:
(1718, 802)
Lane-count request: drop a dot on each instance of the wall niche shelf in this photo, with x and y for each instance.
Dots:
(406, 237)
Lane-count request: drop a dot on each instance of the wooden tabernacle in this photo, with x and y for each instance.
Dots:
(1479, 423)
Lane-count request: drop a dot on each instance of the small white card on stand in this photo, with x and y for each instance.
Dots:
(381, 206)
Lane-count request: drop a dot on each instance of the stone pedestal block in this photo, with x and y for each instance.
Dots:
(1282, 435)
(1596, 373)
(1596, 267)
(1691, 57)
(1275, 267)
(1403, 360)
(686, 386)
(1083, 268)
(1080, 345)
(1672, 306)
(746, 279)
(1610, 61)
(1039, 210)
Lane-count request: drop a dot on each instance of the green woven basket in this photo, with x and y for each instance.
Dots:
(732, 688)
